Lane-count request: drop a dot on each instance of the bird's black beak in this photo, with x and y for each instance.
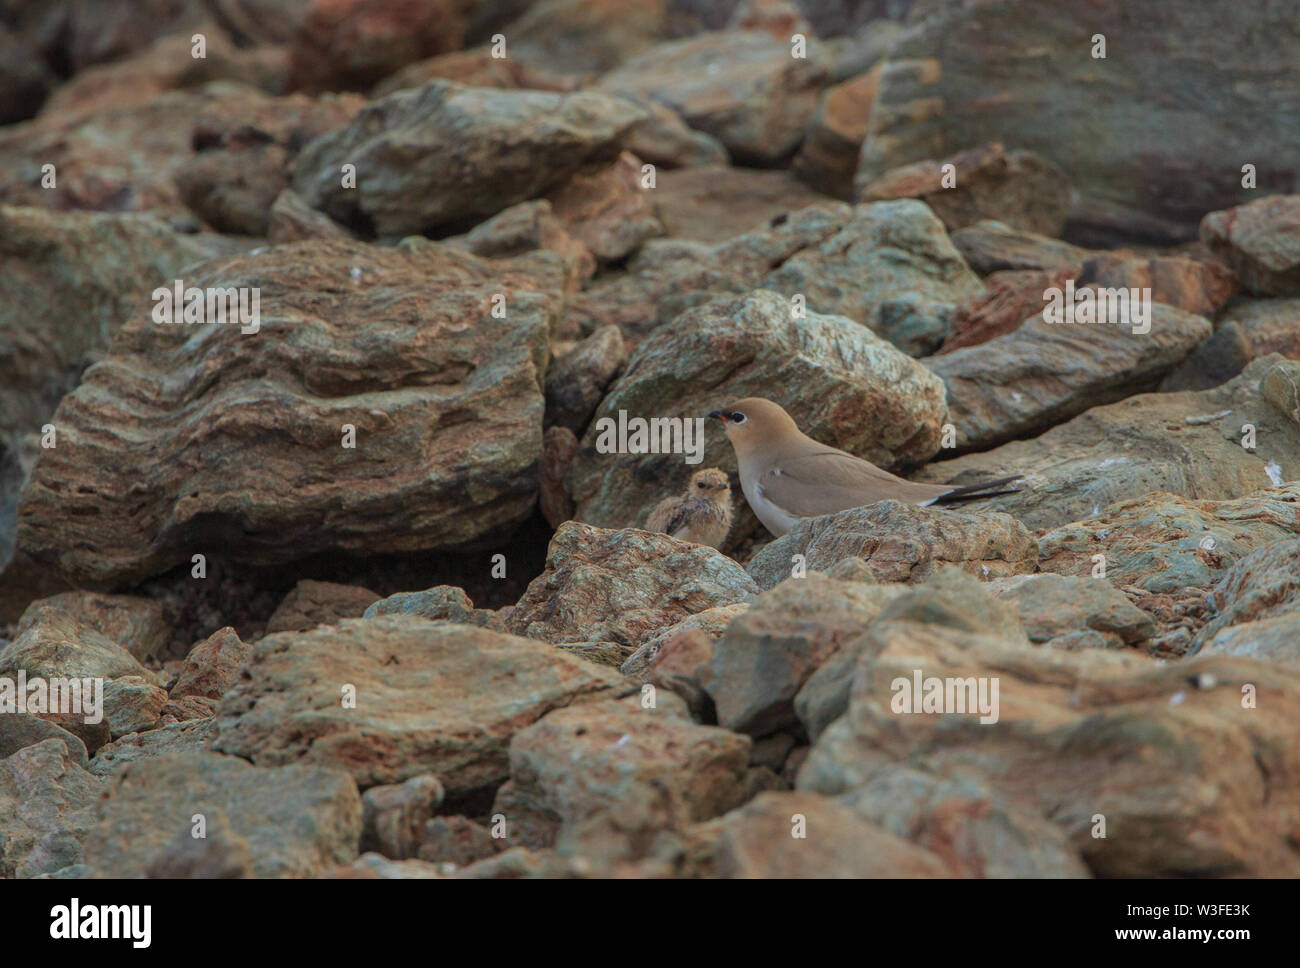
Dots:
(719, 414)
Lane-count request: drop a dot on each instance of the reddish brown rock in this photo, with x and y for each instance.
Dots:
(805, 835)
(1017, 188)
(394, 816)
(990, 246)
(313, 603)
(462, 382)
(456, 840)
(607, 209)
(828, 158)
(1196, 286)
(476, 68)
(1260, 242)
(431, 697)
(351, 44)
(622, 586)
(213, 666)
(291, 219)
(1012, 296)
(576, 381)
(559, 445)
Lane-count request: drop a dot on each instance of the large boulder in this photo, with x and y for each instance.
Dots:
(445, 154)
(223, 440)
(971, 72)
(1149, 768)
(1044, 372)
(391, 697)
(1189, 444)
(1162, 542)
(843, 385)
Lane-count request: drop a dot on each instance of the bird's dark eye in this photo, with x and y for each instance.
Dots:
(701, 484)
(738, 417)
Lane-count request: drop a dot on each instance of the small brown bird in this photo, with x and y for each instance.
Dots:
(786, 475)
(702, 514)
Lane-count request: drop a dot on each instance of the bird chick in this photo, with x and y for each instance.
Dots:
(702, 514)
(786, 475)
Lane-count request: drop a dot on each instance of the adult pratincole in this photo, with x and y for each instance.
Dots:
(786, 475)
(702, 514)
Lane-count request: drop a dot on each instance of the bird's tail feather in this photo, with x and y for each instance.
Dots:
(971, 492)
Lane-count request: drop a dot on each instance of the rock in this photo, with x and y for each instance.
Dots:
(1258, 606)
(192, 736)
(183, 708)
(220, 853)
(901, 543)
(136, 624)
(313, 603)
(576, 381)
(579, 36)
(1017, 188)
(992, 246)
(559, 446)
(67, 281)
(474, 68)
(805, 835)
(531, 227)
(1246, 330)
(1168, 754)
(242, 166)
(1044, 372)
(461, 412)
(713, 203)
(394, 816)
(442, 603)
(1011, 297)
(1052, 607)
(613, 781)
(430, 698)
(120, 158)
(413, 150)
(607, 208)
(351, 44)
(769, 651)
(968, 74)
(664, 140)
(47, 804)
(1144, 444)
(829, 155)
(949, 598)
(622, 586)
(456, 840)
(1260, 242)
(291, 219)
(132, 704)
(169, 65)
(59, 646)
(742, 87)
(1199, 286)
(676, 650)
(21, 730)
(212, 668)
(1162, 542)
(891, 268)
(843, 386)
(970, 826)
(297, 820)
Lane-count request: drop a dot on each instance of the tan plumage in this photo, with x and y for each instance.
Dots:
(786, 475)
(702, 514)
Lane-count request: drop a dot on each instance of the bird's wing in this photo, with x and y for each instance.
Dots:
(668, 516)
(831, 480)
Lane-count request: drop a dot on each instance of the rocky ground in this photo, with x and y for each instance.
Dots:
(366, 597)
